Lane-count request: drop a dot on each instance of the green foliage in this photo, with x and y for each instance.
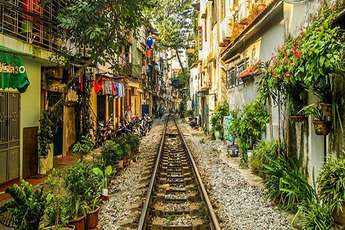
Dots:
(221, 110)
(248, 126)
(45, 135)
(286, 185)
(133, 140)
(84, 147)
(83, 186)
(331, 184)
(111, 152)
(104, 174)
(27, 206)
(104, 33)
(313, 110)
(322, 47)
(263, 153)
(57, 200)
(316, 215)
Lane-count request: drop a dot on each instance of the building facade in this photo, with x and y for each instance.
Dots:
(232, 37)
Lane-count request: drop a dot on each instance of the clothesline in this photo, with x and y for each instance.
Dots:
(109, 87)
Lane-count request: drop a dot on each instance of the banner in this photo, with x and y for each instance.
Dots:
(13, 72)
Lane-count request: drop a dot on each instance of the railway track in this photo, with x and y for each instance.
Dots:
(176, 197)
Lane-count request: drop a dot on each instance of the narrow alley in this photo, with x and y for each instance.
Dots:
(172, 114)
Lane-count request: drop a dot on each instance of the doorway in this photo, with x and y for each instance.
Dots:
(9, 136)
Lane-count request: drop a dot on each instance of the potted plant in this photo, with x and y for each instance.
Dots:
(104, 174)
(57, 202)
(77, 213)
(83, 147)
(331, 188)
(27, 206)
(321, 126)
(82, 186)
(45, 139)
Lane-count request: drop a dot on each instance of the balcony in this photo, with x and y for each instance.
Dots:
(32, 23)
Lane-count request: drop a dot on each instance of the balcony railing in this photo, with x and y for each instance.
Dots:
(28, 21)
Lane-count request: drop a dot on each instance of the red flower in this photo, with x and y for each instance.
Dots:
(296, 53)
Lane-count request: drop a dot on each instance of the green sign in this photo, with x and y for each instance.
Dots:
(12, 72)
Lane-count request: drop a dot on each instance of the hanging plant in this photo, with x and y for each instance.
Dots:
(322, 47)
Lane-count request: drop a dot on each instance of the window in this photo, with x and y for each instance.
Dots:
(231, 78)
(233, 74)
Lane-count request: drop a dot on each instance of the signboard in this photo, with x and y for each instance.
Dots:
(13, 72)
(227, 124)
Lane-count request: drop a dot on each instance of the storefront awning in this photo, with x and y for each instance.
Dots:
(12, 71)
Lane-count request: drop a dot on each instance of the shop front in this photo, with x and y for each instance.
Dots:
(19, 115)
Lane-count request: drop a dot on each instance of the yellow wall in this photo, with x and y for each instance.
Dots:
(30, 102)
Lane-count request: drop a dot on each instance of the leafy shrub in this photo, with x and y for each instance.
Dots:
(316, 216)
(111, 152)
(263, 154)
(83, 186)
(84, 147)
(286, 185)
(331, 184)
(248, 126)
(220, 112)
(27, 206)
(133, 141)
(57, 200)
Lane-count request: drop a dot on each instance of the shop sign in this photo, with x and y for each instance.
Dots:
(13, 72)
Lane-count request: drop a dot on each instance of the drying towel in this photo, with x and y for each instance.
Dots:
(108, 88)
(98, 85)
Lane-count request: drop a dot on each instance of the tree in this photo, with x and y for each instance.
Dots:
(174, 21)
(94, 32)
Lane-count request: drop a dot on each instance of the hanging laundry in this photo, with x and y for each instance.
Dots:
(98, 85)
(81, 83)
(108, 88)
(114, 88)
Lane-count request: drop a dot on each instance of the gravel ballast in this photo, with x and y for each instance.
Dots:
(238, 204)
(127, 191)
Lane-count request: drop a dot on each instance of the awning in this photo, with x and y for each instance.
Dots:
(13, 72)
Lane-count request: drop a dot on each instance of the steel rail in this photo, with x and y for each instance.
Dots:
(145, 210)
(213, 216)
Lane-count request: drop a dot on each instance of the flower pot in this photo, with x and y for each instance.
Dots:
(339, 216)
(59, 228)
(43, 161)
(217, 134)
(92, 218)
(105, 194)
(297, 118)
(326, 109)
(78, 223)
(322, 127)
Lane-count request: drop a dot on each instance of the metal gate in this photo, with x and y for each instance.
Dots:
(9, 136)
